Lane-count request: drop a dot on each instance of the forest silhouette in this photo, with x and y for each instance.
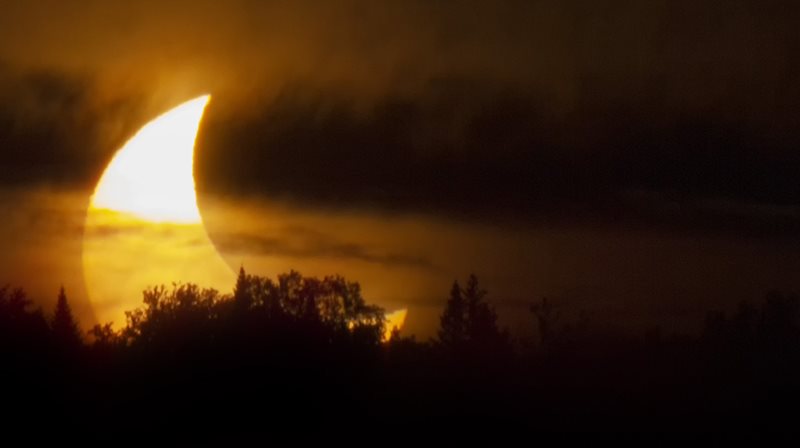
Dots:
(310, 351)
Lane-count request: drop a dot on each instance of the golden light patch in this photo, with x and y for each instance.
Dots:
(395, 319)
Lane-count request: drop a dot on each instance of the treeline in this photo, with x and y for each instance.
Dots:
(300, 348)
(297, 309)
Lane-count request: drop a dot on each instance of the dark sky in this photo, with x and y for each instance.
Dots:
(671, 119)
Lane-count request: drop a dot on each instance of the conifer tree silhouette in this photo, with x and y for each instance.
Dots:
(64, 327)
(481, 318)
(469, 322)
(242, 291)
(452, 331)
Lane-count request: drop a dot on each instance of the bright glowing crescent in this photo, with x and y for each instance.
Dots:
(143, 227)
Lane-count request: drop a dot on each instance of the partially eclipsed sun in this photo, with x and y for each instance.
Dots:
(143, 227)
(151, 177)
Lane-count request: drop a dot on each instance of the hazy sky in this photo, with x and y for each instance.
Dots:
(635, 159)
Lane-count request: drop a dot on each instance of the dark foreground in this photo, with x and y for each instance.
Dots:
(273, 357)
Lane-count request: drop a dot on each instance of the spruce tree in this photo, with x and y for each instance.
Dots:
(242, 292)
(64, 327)
(482, 330)
(452, 333)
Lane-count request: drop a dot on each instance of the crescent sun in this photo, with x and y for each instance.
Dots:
(143, 226)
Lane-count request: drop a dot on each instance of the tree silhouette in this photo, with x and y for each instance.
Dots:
(453, 325)
(481, 318)
(174, 317)
(22, 331)
(546, 316)
(242, 291)
(296, 307)
(313, 346)
(64, 327)
(104, 336)
(469, 323)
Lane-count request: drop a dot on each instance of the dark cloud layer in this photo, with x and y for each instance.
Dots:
(556, 111)
(304, 243)
(56, 128)
(464, 149)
